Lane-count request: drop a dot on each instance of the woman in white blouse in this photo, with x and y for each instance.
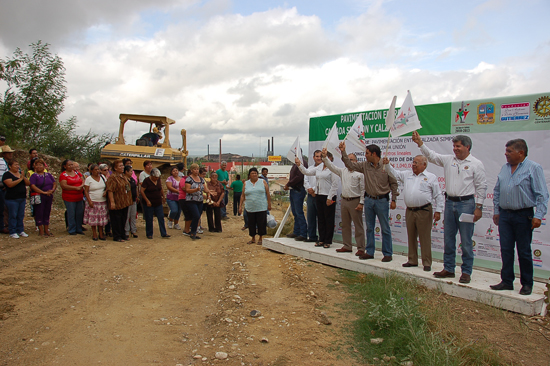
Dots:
(325, 195)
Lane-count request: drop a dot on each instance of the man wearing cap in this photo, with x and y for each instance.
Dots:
(466, 185)
(7, 155)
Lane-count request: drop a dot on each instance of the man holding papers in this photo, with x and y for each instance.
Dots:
(465, 192)
(420, 190)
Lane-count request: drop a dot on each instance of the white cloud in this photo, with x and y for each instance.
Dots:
(239, 78)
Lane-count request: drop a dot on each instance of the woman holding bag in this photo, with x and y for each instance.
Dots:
(213, 211)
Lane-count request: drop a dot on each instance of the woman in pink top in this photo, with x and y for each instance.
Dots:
(183, 206)
(172, 197)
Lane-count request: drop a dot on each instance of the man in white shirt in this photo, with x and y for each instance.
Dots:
(466, 185)
(326, 187)
(309, 184)
(420, 190)
(351, 207)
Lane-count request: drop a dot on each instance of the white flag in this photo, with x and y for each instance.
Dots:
(356, 134)
(390, 117)
(332, 142)
(295, 151)
(407, 120)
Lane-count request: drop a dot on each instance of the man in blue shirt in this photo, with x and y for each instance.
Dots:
(520, 188)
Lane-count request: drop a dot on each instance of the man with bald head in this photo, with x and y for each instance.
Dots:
(420, 191)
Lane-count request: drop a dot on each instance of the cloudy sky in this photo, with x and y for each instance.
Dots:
(246, 70)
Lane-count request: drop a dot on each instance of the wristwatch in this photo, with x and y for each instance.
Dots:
(480, 206)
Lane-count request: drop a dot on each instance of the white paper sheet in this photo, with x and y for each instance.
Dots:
(466, 218)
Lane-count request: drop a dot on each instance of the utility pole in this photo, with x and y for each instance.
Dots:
(220, 157)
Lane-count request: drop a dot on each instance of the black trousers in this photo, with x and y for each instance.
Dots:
(259, 220)
(325, 219)
(214, 217)
(118, 222)
(236, 202)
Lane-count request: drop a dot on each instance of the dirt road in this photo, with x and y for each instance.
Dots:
(73, 301)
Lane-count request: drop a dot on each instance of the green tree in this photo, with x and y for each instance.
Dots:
(33, 101)
(34, 98)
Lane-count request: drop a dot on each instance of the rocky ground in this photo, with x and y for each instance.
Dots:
(69, 300)
(73, 301)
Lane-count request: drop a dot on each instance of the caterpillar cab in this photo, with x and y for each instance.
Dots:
(153, 145)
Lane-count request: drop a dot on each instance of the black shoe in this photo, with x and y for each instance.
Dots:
(387, 258)
(427, 268)
(149, 237)
(291, 235)
(502, 286)
(526, 290)
(409, 265)
(310, 241)
(299, 238)
(100, 238)
(134, 236)
(166, 236)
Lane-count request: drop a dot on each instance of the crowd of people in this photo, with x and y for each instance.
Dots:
(520, 203)
(106, 196)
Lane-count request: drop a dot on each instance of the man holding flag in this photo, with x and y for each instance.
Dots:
(466, 186)
(378, 185)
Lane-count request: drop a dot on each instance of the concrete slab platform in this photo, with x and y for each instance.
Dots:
(477, 290)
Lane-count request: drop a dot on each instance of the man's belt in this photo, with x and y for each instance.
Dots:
(350, 198)
(419, 208)
(459, 198)
(386, 196)
(527, 209)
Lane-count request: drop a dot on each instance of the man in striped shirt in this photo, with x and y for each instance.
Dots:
(520, 188)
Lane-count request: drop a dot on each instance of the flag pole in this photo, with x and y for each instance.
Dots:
(390, 119)
(387, 147)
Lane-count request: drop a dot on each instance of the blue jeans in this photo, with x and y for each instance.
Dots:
(453, 210)
(311, 218)
(149, 213)
(378, 208)
(16, 212)
(75, 215)
(297, 207)
(175, 210)
(195, 209)
(225, 200)
(2, 203)
(514, 228)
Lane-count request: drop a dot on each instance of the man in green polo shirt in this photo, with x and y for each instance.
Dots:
(237, 188)
(223, 178)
